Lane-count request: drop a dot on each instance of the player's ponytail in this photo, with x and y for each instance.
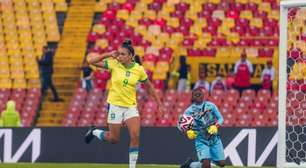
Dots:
(128, 45)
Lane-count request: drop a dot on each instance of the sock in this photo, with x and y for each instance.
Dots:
(133, 155)
(99, 134)
(195, 165)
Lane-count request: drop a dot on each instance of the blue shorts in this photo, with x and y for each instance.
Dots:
(212, 151)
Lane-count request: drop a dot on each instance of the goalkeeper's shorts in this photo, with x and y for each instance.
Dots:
(118, 114)
(213, 152)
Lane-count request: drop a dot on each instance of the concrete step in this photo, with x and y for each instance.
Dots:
(48, 124)
(52, 115)
(61, 93)
(53, 106)
(59, 79)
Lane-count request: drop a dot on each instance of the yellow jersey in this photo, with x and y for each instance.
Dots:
(123, 82)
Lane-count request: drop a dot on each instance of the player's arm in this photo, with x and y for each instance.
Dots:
(213, 129)
(152, 91)
(97, 60)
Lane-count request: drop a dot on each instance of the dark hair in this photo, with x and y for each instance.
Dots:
(137, 59)
(128, 45)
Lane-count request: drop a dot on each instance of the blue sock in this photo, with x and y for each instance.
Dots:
(133, 156)
(99, 134)
(195, 165)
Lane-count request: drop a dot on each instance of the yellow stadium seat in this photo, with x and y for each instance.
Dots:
(246, 14)
(172, 2)
(191, 15)
(159, 75)
(99, 28)
(19, 83)
(61, 6)
(223, 52)
(149, 65)
(47, 6)
(34, 83)
(163, 14)
(195, 7)
(121, 1)
(256, 22)
(154, 29)
(136, 15)
(4, 72)
(163, 66)
(214, 1)
(17, 73)
(251, 52)
(132, 22)
(274, 14)
(200, 43)
(233, 37)
(123, 14)
(218, 14)
(224, 30)
(147, 1)
(101, 6)
(150, 14)
(174, 22)
(158, 44)
(197, 30)
(139, 50)
(150, 37)
(229, 22)
(178, 37)
(141, 29)
(163, 37)
(201, 22)
(173, 44)
(141, 7)
(168, 8)
(242, 1)
(264, 6)
(152, 50)
(236, 52)
(5, 83)
(102, 43)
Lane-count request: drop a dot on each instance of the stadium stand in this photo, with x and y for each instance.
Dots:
(164, 29)
(25, 27)
(68, 59)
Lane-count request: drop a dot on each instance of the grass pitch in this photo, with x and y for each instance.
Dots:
(84, 165)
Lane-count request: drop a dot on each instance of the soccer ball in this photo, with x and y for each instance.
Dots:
(185, 122)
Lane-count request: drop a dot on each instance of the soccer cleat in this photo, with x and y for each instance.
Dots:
(89, 136)
(187, 163)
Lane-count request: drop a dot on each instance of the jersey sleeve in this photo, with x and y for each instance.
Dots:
(143, 75)
(217, 114)
(110, 63)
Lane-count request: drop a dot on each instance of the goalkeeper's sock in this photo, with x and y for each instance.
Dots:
(133, 155)
(99, 134)
(195, 165)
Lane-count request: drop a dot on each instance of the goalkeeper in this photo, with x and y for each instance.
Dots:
(204, 131)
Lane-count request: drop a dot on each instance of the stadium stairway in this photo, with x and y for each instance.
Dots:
(68, 60)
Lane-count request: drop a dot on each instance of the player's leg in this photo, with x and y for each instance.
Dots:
(217, 153)
(132, 121)
(206, 163)
(203, 154)
(115, 117)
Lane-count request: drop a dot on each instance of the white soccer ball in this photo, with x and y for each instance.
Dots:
(185, 122)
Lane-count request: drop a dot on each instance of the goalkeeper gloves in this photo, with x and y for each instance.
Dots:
(191, 134)
(213, 129)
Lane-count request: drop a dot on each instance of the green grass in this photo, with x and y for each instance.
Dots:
(83, 165)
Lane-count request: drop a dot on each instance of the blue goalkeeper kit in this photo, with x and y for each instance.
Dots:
(208, 146)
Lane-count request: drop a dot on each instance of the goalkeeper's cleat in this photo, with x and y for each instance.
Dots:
(89, 136)
(187, 163)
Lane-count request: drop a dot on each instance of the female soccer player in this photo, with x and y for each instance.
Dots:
(125, 74)
(207, 119)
